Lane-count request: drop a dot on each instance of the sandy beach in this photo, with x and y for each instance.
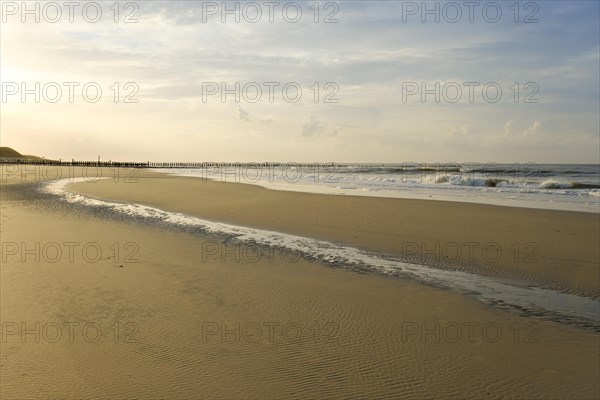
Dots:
(144, 312)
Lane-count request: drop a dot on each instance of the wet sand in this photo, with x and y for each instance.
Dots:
(196, 327)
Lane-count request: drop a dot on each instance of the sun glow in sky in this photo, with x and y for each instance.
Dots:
(377, 83)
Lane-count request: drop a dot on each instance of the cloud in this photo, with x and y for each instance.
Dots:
(313, 127)
(466, 129)
(511, 126)
(268, 119)
(242, 115)
(508, 127)
(533, 129)
(316, 127)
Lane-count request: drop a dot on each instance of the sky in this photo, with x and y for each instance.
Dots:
(365, 81)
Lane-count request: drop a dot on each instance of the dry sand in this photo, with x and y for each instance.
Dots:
(172, 306)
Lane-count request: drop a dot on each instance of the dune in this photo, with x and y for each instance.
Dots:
(9, 153)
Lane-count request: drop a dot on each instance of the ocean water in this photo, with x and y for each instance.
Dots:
(529, 301)
(545, 186)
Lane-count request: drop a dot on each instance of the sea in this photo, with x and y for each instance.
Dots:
(570, 187)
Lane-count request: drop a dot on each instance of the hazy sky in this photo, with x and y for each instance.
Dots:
(370, 66)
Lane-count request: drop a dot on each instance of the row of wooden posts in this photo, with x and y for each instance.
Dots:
(148, 164)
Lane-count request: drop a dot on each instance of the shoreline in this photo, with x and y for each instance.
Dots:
(236, 242)
(547, 248)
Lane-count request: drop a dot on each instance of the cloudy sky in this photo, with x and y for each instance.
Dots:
(365, 81)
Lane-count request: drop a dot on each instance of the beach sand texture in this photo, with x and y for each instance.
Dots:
(189, 325)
